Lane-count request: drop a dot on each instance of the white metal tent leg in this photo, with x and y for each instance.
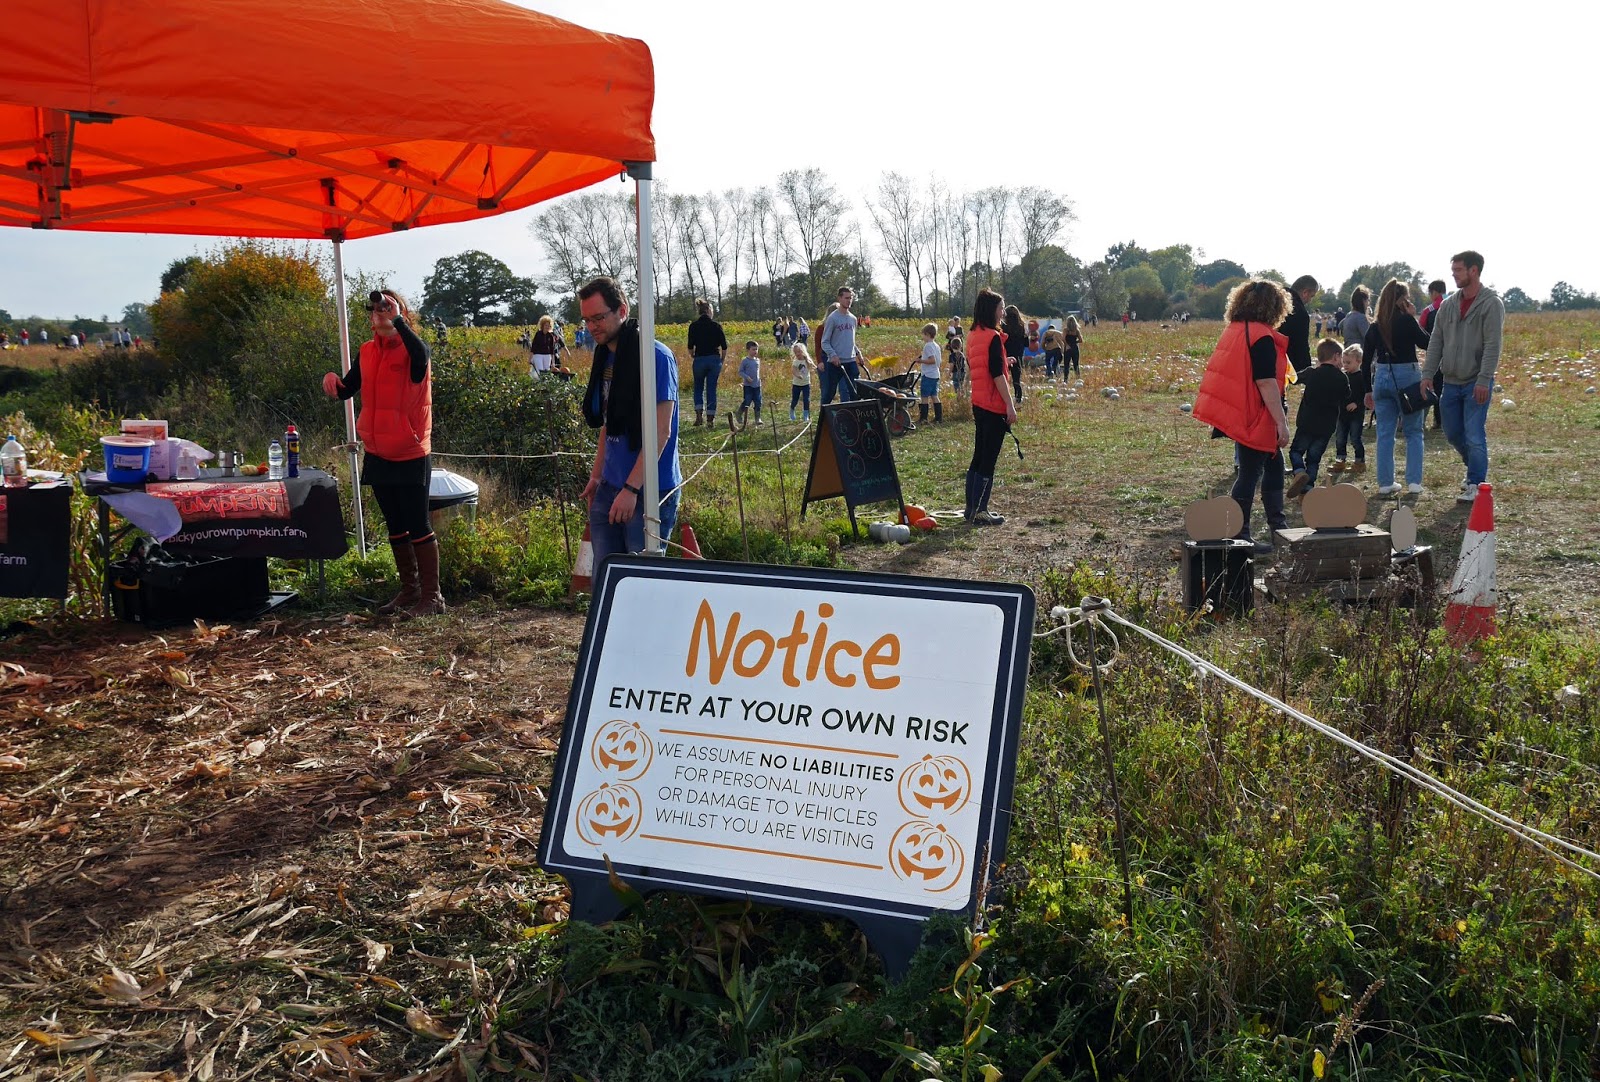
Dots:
(349, 403)
(654, 543)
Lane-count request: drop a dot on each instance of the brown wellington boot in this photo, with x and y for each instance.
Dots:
(699, 418)
(405, 562)
(430, 601)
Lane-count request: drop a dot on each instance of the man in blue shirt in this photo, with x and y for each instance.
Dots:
(611, 404)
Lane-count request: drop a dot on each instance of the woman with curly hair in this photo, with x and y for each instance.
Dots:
(1241, 397)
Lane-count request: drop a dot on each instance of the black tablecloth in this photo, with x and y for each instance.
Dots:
(35, 540)
(297, 518)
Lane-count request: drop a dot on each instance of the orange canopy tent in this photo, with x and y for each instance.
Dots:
(328, 119)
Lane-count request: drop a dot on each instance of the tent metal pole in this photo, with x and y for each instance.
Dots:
(654, 543)
(349, 403)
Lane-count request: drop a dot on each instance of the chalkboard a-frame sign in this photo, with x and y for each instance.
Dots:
(851, 457)
(819, 739)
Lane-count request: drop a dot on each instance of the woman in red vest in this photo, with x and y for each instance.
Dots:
(1241, 397)
(993, 412)
(396, 427)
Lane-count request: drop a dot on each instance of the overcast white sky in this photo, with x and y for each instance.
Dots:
(1312, 138)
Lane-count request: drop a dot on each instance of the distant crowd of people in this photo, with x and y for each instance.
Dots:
(121, 338)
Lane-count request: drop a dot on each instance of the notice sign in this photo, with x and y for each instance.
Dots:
(832, 740)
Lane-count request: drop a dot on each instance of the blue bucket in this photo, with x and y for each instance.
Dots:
(127, 458)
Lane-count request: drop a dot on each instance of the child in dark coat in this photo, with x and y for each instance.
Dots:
(1354, 418)
(1326, 390)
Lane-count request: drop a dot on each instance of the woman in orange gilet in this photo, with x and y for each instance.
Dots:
(395, 426)
(1241, 397)
(993, 412)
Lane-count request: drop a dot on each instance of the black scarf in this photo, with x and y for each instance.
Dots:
(621, 415)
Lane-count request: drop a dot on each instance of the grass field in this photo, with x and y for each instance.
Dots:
(305, 849)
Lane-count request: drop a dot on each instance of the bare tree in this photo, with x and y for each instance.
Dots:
(957, 230)
(664, 234)
(589, 234)
(898, 216)
(1041, 216)
(736, 202)
(714, 232)
(932, 241)
(976, 206)
(768, 242)
(816, 213)
(999, 200)
(681, 220)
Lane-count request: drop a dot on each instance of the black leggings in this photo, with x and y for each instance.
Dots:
(990, 437)
(1072, 357)
(405, 511)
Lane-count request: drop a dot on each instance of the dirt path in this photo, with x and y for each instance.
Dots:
(252, 851)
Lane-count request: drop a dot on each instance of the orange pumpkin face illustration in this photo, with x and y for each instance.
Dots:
(925, 854)
(624, 748)
(610, 813)
(939, 784)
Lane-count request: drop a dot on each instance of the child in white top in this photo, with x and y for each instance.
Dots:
(930, 375)
(800, 383)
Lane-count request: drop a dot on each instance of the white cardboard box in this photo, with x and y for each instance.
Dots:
(162, 460)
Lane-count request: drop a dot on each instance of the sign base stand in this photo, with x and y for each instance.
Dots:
(593, 901)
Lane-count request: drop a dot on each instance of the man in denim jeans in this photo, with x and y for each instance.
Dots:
(1465, 347)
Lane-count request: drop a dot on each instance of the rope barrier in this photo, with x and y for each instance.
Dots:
(1097, 612)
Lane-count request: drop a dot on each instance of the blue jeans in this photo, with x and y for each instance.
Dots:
(1464, 426)
(1263, 468)
(608, 539)
(1349, 430)
(752, 397)
(800, 393)
(1388, 380)
(834, 381)
(707, 370)
(1306, 452)
(828, 373)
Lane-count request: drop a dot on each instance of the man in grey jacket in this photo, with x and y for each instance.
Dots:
(1465, 347)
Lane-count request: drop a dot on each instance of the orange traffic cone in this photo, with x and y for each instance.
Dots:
(583, 567)
(1469, 613)
(691, 543)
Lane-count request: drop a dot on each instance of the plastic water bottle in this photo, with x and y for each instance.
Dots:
(14, 463)
(291, 443)
(275, 461)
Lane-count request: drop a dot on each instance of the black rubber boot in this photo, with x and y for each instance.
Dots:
(983, 516)
(922, 413)
(938, 411)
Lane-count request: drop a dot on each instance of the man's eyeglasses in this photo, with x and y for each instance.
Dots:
(595, 321)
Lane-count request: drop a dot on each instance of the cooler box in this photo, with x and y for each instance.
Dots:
(156, 588)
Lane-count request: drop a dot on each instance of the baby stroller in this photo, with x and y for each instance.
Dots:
(895, 394)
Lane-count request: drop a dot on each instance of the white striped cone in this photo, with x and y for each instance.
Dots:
(1469, 613)
(583, 567)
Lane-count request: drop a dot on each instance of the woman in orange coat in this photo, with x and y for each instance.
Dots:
(396, 427)
(1241, 397)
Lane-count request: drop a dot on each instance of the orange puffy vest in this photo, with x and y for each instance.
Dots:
(1228, 399)
(985, 395)
(396, 420)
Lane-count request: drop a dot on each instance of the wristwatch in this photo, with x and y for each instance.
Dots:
(632, 488)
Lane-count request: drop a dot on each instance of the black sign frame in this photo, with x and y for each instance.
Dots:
(893, 928)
